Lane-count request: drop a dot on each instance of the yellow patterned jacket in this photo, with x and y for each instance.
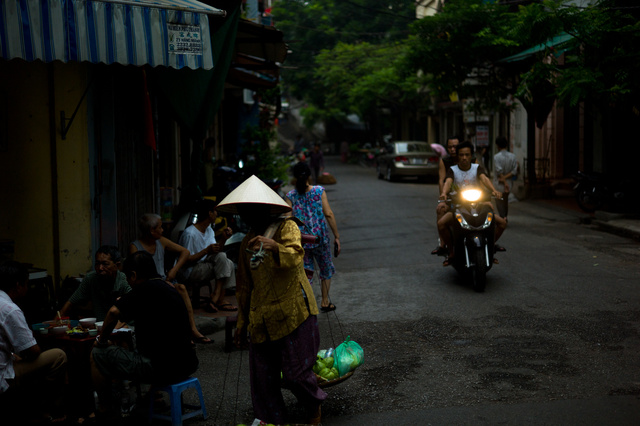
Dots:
(271, 297)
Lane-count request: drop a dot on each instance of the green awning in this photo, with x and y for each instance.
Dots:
(195, 95)
(560, 44)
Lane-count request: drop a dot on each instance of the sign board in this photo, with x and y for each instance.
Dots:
(482, 135)
(184, 39)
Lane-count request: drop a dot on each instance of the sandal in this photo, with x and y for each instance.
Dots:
(329, 308)
(497, 248)
(448, 261)
(211, 308)
(203, 340)
(439, 251)
(50, 420)
(223, 307)
(89, 420)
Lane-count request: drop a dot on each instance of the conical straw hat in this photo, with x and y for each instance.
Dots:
(253, 191)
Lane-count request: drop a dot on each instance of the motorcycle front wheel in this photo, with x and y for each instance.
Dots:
(590, 198)
(480, 271)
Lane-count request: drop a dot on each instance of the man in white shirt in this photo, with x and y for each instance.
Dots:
(207, 260)
(463, 174)
(26, 372)
(506, 166)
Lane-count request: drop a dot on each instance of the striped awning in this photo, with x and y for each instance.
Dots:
(172, 33)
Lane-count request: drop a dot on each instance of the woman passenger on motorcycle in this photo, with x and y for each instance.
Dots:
(465, 173)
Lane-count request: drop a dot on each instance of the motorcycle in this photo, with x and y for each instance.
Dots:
(594, 191)
(473, 233)
(276, 185)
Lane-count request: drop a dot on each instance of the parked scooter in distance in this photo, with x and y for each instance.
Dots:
(594, 191)
(473, 235)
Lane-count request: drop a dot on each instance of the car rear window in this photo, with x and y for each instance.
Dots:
(406, 147)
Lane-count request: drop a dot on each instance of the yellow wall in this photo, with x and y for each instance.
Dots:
(74, 197)
(26, 212)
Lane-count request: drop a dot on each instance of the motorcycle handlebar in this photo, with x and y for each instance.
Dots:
(449, 200)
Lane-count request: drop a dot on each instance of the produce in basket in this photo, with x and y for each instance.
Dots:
(325, 369)
(349, 356)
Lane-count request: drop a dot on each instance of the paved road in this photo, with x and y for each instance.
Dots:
(554, 339)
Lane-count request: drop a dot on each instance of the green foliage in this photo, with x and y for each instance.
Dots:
(358, 56)
(263, 161)
(603, 65)
(314, 26)
(456, 48)
(460, 50)
(359, 77)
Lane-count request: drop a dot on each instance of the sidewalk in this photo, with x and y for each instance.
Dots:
(208, 323)
(626, 225)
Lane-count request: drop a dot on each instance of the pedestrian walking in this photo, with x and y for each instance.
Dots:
(277, 308)
(311, 205)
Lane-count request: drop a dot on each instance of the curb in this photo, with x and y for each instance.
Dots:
(619, 227)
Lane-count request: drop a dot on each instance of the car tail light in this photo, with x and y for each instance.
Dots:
(434, 159)
(401, 159)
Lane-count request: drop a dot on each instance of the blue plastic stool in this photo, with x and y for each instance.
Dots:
(175, 399)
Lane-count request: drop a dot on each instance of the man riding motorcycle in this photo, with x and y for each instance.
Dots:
(464, 174)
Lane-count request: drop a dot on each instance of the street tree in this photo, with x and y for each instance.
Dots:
(466, 49)
(363, 79)
(312, 27)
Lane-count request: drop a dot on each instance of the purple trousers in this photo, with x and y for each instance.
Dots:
(293, 355)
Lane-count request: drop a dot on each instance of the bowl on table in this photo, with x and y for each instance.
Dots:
(59, 329)
(88, 322)
(41, 328)
(99, 325)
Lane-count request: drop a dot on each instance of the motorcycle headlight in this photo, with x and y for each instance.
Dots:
(488, 220)
(471, 226)
(471, 194)
(462, 221)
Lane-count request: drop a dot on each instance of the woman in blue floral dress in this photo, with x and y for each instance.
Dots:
(311, 206)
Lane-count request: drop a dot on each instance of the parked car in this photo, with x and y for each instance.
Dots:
(408, 159)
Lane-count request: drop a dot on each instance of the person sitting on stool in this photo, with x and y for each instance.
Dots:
(207, 261)
(26, 371)
(164, 354)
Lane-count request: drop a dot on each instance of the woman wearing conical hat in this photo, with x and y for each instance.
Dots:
(277, 310)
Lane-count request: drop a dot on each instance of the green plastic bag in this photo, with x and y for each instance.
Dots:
(348, 356)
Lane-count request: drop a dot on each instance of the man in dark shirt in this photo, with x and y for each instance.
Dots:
(163, 334)
(100, 287)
